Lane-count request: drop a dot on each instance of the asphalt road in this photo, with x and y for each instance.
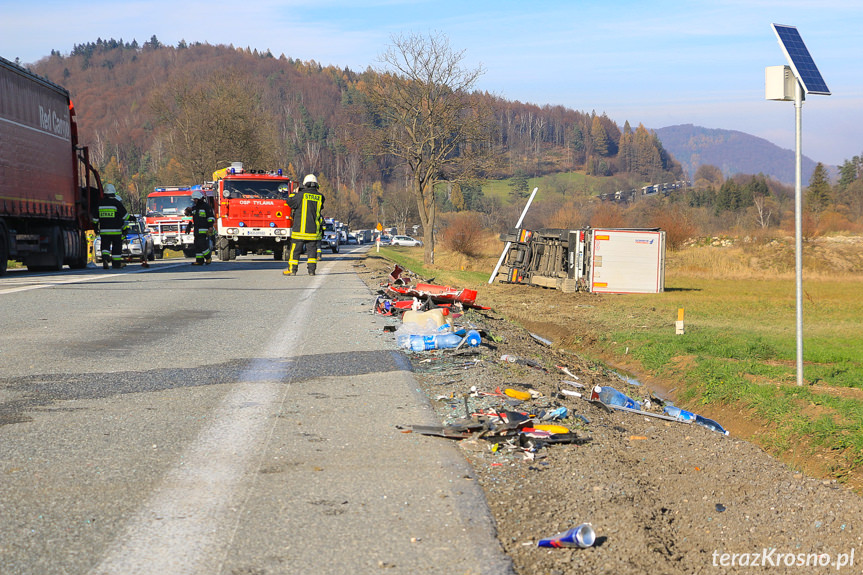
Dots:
(221, 420)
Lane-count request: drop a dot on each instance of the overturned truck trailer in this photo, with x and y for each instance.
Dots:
(598, 260)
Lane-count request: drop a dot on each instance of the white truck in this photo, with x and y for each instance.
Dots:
(596, 260)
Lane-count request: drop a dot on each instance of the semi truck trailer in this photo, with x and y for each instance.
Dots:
(47, 183)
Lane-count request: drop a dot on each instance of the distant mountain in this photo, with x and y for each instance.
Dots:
(731, 151)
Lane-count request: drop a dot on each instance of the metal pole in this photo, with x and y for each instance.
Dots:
(506, 247)
(798, 225)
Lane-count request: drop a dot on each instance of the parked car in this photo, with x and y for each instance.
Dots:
(138, 245)
(352, 239)
(405, 241)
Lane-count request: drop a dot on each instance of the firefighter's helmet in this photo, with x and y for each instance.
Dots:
(310, 181)
(197, 195)
(110, 190)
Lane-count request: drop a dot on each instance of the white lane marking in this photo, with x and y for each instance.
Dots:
(37, 282)
(73, 280)
(189, 522)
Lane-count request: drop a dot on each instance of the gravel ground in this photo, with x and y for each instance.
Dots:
(662, 496)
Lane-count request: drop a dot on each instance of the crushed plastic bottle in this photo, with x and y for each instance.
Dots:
(559, 413)
(678, 414)
(709, 424)
(437, 341)
(508, 358)
(610, 396)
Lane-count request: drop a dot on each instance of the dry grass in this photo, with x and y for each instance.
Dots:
(486, 247)
(767, 258)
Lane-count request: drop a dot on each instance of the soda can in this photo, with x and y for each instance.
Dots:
(582, 536)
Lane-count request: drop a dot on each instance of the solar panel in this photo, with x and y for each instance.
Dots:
(801, 62)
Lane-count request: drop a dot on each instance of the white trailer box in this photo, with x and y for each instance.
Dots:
(626, 261)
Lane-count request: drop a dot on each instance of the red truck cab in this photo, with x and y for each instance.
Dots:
(252, 212)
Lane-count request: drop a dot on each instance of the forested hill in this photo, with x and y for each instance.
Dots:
(150, 111)
(731, 151)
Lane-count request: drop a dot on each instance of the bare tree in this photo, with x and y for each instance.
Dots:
(400, 208)
(422, 112)
(763, 212)
(215, 122)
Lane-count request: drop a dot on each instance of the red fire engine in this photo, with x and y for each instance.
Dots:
(167, 221)
(252, 213)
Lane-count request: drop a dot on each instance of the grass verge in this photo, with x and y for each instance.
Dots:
(736, 361)
(739, 355)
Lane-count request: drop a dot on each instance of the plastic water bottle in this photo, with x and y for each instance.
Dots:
(610, 396)
(437, 341)
(426, 342)
(709, 424)
(678, 414)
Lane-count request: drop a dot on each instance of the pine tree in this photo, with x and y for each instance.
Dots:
(728, 199)
(456, 198)
(819, 195)
(848, 172)
(600, 137)
(519, 185)
(626, 149)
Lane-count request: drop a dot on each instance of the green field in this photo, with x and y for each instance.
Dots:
(739, 349)
(549, 186)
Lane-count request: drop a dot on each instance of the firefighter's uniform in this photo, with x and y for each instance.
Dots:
(112, 221)
(202, 222)
(306, 204)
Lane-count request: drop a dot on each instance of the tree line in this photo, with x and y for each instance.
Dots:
(154, 114)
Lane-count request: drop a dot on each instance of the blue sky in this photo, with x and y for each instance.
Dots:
(659, 63)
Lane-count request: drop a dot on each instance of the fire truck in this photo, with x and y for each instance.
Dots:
(252, 212)
(47, 183)
(167, 221)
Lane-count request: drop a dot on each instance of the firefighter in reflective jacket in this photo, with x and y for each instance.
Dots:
(202, 222)
(112, 220)
(306, 204)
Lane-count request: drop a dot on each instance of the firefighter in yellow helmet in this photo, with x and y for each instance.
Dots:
(307, 205)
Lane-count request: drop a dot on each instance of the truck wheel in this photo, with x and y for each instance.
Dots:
(59, 248)
(335, 248)
(279, 252)
(79, 262)
(159, 254)
(222, 248)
